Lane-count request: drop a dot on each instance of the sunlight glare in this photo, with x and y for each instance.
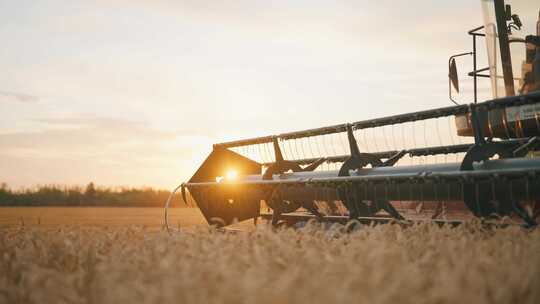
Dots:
(232, 175)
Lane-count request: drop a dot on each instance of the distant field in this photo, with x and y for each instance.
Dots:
(100, 216)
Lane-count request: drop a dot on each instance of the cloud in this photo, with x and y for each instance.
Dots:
(105, 150)
(84, 135)
(188, 73)
(17, 97)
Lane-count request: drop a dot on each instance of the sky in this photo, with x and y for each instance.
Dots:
(134, 93)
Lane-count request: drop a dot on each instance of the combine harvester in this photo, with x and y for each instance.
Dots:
(478, 159)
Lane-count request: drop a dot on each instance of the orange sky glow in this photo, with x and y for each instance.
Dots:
(134, 93)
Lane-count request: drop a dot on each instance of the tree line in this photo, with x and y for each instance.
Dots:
(54, 195)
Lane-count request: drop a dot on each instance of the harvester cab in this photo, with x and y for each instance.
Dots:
(444, 164)
(513, 69)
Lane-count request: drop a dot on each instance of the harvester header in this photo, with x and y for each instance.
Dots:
(471, 159)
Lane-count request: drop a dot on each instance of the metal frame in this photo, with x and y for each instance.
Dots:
(475, 73)
(457, 176)
(427, 151)
(389, 120)
(477, 186)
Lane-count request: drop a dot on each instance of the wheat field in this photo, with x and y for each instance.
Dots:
(47, 217)
(381, 264)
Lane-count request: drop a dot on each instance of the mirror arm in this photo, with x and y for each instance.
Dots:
(477, 73)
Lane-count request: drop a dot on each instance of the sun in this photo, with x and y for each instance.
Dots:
(231, 175)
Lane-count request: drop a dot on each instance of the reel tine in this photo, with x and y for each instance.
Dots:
(518, 209)
(403, 140)
(394, 138)
(262, 157)
(287, 147)
(390, 208)
(413, 125)
(411, 183)
(537, 120)
(477, 198)
(438, 205)
(320, 147)
(426, 144)
(386, 190)
(347, 204)
(376, 201)
(398, 190)
(357, 199)
(302, 148)
(350, 205)
(326, 200)
(332, 144)
(366, 194)
(494, 199)
(332, 208)
(338, 195)
(448, 191)
(462, 194)
(528, 198)
(422, 183)
(386, 201)
(447, 200)
(436, 189)
(527, 188)
(296, 149)
(269, 152)
(385, 140)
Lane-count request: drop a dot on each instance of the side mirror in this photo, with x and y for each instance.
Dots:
(452, 74)
(453, 80)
